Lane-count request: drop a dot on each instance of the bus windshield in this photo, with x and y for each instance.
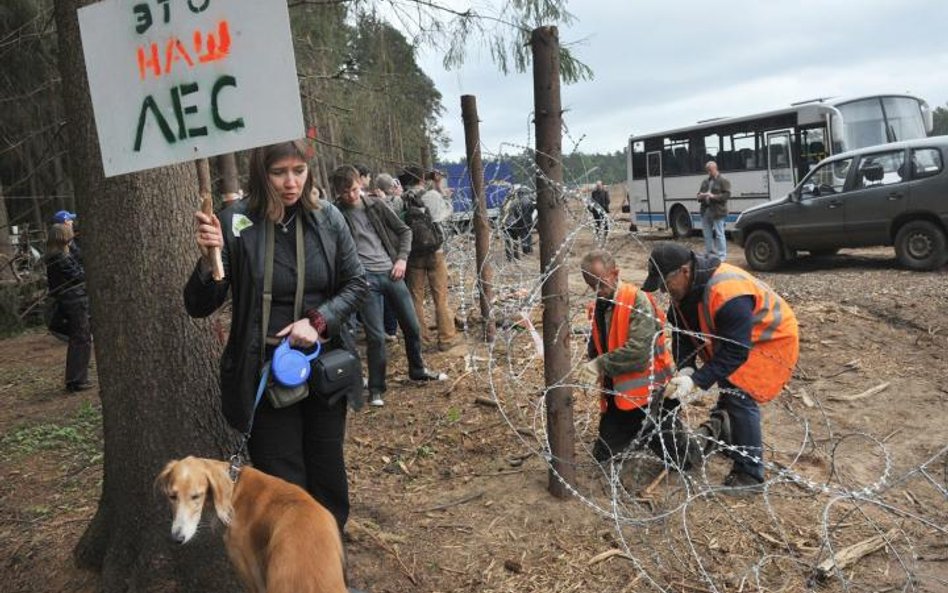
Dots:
(878, 120)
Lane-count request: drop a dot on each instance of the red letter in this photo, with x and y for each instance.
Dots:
(148, 62)
(217, 47)
(172, 56)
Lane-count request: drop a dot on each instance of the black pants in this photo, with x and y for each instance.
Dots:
(302, 444)
(80, 340)
(621, 429)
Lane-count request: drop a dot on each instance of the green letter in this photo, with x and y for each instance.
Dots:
(176, 94)
(226, 80)
(149, 103)
(144, 17)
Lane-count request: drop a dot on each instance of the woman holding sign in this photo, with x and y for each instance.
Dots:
(294, 273)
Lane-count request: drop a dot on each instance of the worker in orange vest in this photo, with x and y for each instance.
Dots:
(746, 337)
(631, 364)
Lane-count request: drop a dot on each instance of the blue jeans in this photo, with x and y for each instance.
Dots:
(382, 288)
(391, 323)
(745, 430)
(715, 243)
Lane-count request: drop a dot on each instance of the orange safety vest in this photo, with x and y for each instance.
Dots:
(632, 390)
(775, 340)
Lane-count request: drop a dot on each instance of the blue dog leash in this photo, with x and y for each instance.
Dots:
(292, 369)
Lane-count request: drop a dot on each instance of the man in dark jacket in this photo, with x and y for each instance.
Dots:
(600, 211)
(383, 242)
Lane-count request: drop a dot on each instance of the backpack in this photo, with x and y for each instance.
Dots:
(426, 235)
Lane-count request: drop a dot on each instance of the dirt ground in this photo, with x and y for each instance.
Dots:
(449, 480)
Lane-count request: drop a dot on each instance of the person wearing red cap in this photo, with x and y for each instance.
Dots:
(747, 338)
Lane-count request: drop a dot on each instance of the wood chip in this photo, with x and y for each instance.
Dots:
(850, 555)
(601, 557)
(867, 393)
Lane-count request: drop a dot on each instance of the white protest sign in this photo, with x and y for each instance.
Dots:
(178, 80)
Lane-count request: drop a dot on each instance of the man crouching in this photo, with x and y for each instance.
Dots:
(630, 363)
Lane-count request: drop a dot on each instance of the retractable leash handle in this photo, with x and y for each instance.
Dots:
(291, 367)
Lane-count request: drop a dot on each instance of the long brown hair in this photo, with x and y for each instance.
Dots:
(58, 239)
(264, 199)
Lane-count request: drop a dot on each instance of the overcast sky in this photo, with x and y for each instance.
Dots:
(669, 63)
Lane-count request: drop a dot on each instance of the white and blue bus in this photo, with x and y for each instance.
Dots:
(763, 155)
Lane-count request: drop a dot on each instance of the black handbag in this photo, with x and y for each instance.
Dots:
(336, 374)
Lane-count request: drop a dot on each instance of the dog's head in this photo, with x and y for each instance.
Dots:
(186, 483)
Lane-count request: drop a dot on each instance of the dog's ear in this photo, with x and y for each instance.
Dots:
(161, 482)
(222, 489)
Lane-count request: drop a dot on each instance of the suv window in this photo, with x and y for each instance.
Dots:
(925, 162)
(883, 168)
(828, 179)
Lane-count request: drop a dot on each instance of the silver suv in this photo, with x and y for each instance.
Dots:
(890, 194)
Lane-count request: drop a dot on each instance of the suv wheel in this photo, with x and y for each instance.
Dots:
(763, 251)
(680, 222)
(920, 245)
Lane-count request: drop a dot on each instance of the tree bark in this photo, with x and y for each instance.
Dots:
(6, 248)
(156, 366)
(230, 179)
(551, 209)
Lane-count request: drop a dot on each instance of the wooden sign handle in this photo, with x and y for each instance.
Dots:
(207, 207)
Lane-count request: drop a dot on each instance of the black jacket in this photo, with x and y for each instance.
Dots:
(65, 277)
(243, 257)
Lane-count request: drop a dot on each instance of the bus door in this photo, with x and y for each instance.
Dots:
(654, 187)
(780, 163)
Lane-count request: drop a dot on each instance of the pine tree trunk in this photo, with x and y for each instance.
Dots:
(157, 368)
(230, 179)
(6, 248)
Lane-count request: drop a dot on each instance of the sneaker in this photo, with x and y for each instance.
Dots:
(78, 386)
(391, 337)
(376, 400)
(426, 375)
(738, 483)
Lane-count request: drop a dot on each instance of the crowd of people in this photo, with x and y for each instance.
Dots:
(316, 271)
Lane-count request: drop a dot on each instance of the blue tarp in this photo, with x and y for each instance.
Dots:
(498, 179)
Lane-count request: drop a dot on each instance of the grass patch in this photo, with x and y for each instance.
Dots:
(79, 436)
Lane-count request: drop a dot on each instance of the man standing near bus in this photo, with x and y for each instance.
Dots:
(713, 195)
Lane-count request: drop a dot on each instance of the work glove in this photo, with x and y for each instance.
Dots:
(679, 386)
(589, 373)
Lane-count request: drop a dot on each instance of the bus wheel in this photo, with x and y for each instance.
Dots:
(762, 251)
(680, 222)
(920, 245)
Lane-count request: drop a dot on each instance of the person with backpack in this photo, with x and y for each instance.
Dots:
(516, 215)
(425, 213)
(383, 242)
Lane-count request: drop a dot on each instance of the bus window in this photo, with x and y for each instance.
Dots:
(745, 156)
(863, 123)
(812, 147)
(638, 160)
(712, 144)
(676, 157)
(904, 118)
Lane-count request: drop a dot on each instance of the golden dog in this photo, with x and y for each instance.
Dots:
(279, 539)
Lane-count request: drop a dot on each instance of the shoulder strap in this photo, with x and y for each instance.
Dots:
(268, 279)
(300, 266)
(267, 286)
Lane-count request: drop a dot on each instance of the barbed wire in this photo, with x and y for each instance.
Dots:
(687, 533)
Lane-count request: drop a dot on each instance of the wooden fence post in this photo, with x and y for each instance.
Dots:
(485, 273)
(545, 44)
